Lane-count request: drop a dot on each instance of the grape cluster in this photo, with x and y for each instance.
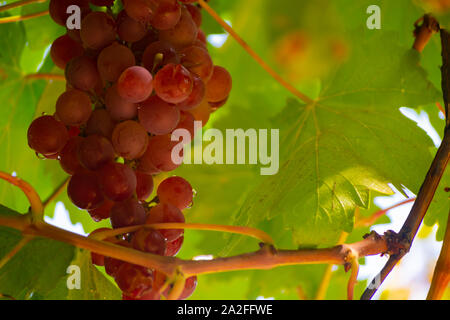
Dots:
(132, 79)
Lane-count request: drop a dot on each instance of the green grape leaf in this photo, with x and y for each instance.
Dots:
(36, 268)
(93, 284)
(353, 138)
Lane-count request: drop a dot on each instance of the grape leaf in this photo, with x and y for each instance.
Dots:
(353, 138)
(36, 268)
(93, 284)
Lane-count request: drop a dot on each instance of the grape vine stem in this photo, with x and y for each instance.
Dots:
(266, 258)
(17, 4)
(254, 55)
(251, 232)
(427, 191)
(45, 76)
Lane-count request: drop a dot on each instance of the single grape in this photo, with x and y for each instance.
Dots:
(158, 54)
(58, 9)
(130, 140)
(100, 123)
(158, 156)
(119, 109)
(129, 30)
(135, 84)
(133, 280)
(65, 49)
(157, 116)
(144, 186)
(138, 10)
(102, 212)
(73, 107)
(173, 83)
(196, 97)
(81, 73)
(184, 33)
(166, 14)
(117, 181)
(127, 213)
(167, 213)
(84, 190)
(68, 157)
(173, 247)
(97, 30)
(176, 191)
(95, 151)
(149, 240)
(219, 86)
(198, 61)
(47, 136)
(113, 60)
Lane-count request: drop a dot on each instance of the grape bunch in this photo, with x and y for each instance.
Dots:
(133, 77)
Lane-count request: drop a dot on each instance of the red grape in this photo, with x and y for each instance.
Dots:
(65, 49)
(95, 151)
(68, 157)
(130, 140)
(118, 181)
(198, 61)
(58, 9)
(173, 83)
(100, 123)
(73, 107)
(158, 156)
(219, 86)
(81, 73)
(113, 60)
(97, 30)
(196, 97)
(138, 10)
(174, 247)
(144, 186)
(119, 109)
(127, 213)
(176, 191)
(148, 240)
(84, 190)
(135, 84)
(158, 117)
(167, 213)
(184, 33)
(47, 136)
(166, 14)
(102, 212)
(129, 30)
